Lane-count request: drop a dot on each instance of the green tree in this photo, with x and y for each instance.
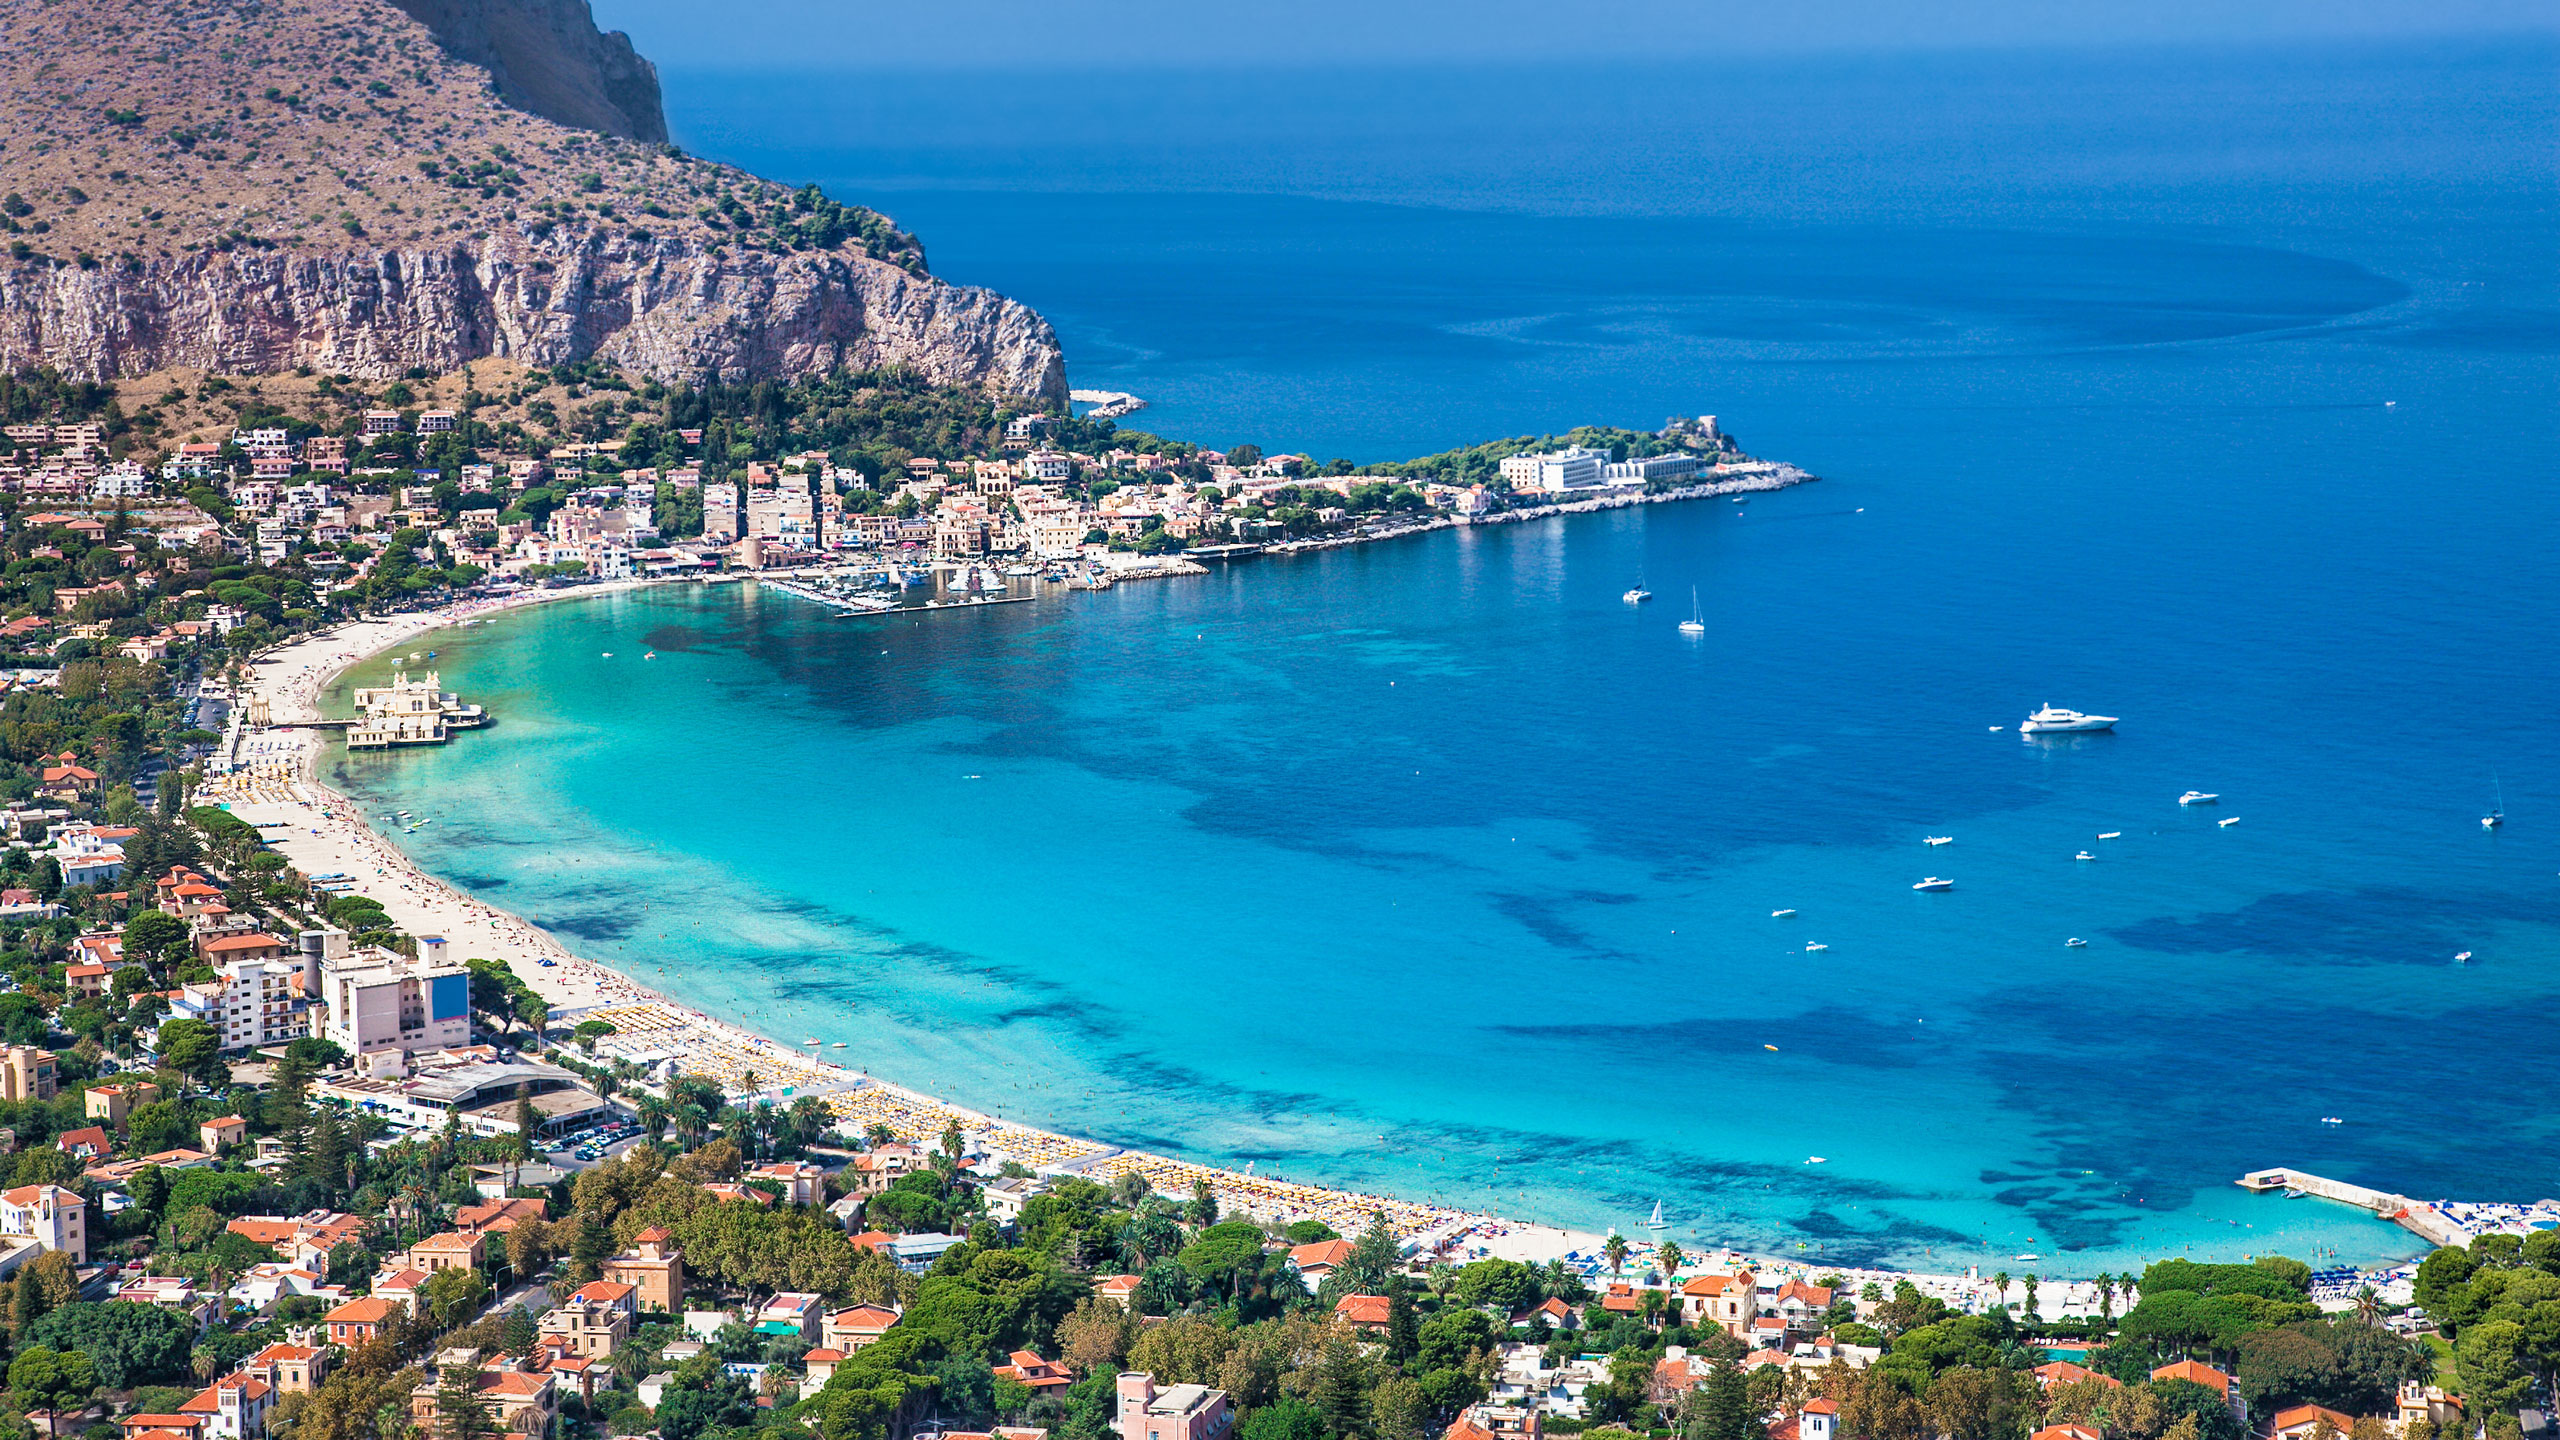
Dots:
(194, 1049)
(130, 1344)
(53, 1378)
(460, 1412)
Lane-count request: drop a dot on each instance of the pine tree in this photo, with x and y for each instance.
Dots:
(1404, 1333)
(1341, 1391)
(325, 1160)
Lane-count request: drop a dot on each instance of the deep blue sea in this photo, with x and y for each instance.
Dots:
(2213, 390)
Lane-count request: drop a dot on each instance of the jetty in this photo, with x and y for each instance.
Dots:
(2415, 1216)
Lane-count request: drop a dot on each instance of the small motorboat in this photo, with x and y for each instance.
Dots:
(1937, 839)
(1935, 883)
(838, 1045)
(2110, 834)
(1637, 594)
(2198, 797)
(2227, 824)
(2462, 959)
(1996, 729)
(812, 1040)
(2084, 855)
(2332, 1120)
(1781, 914)
(2075, 943)
(1817, 1160)
(1810, 946)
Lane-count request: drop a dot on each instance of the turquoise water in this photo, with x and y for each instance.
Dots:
(1431, 867)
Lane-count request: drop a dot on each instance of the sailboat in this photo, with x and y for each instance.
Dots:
(1657, 1222)
(1696, 624)
(1636, 593)
(2497, 817)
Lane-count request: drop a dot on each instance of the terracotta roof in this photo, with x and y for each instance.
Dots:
(1322, 1252)
(1718, 1284)
(1822, 1407)
(370, 1308)
(2200, 1373)
(1363, 1309)
(2292, 1416)
(654, 1235)
(601, 1292)
(823, 1357)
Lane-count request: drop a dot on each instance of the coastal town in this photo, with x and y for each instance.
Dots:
(307, 1145)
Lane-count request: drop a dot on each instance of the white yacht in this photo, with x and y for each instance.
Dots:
(2110, 834)
(1637, 594)
(1935, 883)
(1781, 914)
(2198, 797)
(2234, 820)
(2054, 720)
(1813, 946)
(1937, 839)
(1696, 624)
(2075, 943)
(2084, 855)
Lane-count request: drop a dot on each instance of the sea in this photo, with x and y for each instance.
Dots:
(2210, 389)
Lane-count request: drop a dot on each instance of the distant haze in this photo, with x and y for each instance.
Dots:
(1014, 34)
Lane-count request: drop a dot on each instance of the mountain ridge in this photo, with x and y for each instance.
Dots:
(246, 186)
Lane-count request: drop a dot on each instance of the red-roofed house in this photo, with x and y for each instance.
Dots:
(497, 1217)
(2300, 1422)
(1316, 1261)
(2063, 1372)
(821, 1365)
(2066, 1432)
(1728, 1301)
(89, 1142)
(2197, 1372)
(1364, 1312)
(234, 1408)
(1041, 1375)
(1557, 1314)
(357, 1321)
(292, 1369)
(846, 1331)
(65, 778)
(1123, 1288)
(1819, 1420)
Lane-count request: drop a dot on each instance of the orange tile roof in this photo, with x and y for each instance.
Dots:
(2198, 1372)
(1363, 1309)
(367, 1310)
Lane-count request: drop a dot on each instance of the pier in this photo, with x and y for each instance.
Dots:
(2415, 1216)
(407, 712)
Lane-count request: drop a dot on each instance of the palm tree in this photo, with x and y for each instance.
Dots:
(2031, 1292)
(2106, 1296)
(1616, 1249)
(2368, 1306)
(2000, 1282)
(1671, 1258)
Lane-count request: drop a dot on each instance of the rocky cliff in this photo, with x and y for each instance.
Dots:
(546, 56)
(254, 185)
(665, 307)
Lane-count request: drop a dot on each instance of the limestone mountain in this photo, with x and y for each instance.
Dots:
(250, 186)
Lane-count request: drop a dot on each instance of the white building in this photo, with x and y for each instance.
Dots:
(1047, 467)
(55, 1218)
(1652, 467)
(376, 1000)
(1572, 468)
(248, 1003)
